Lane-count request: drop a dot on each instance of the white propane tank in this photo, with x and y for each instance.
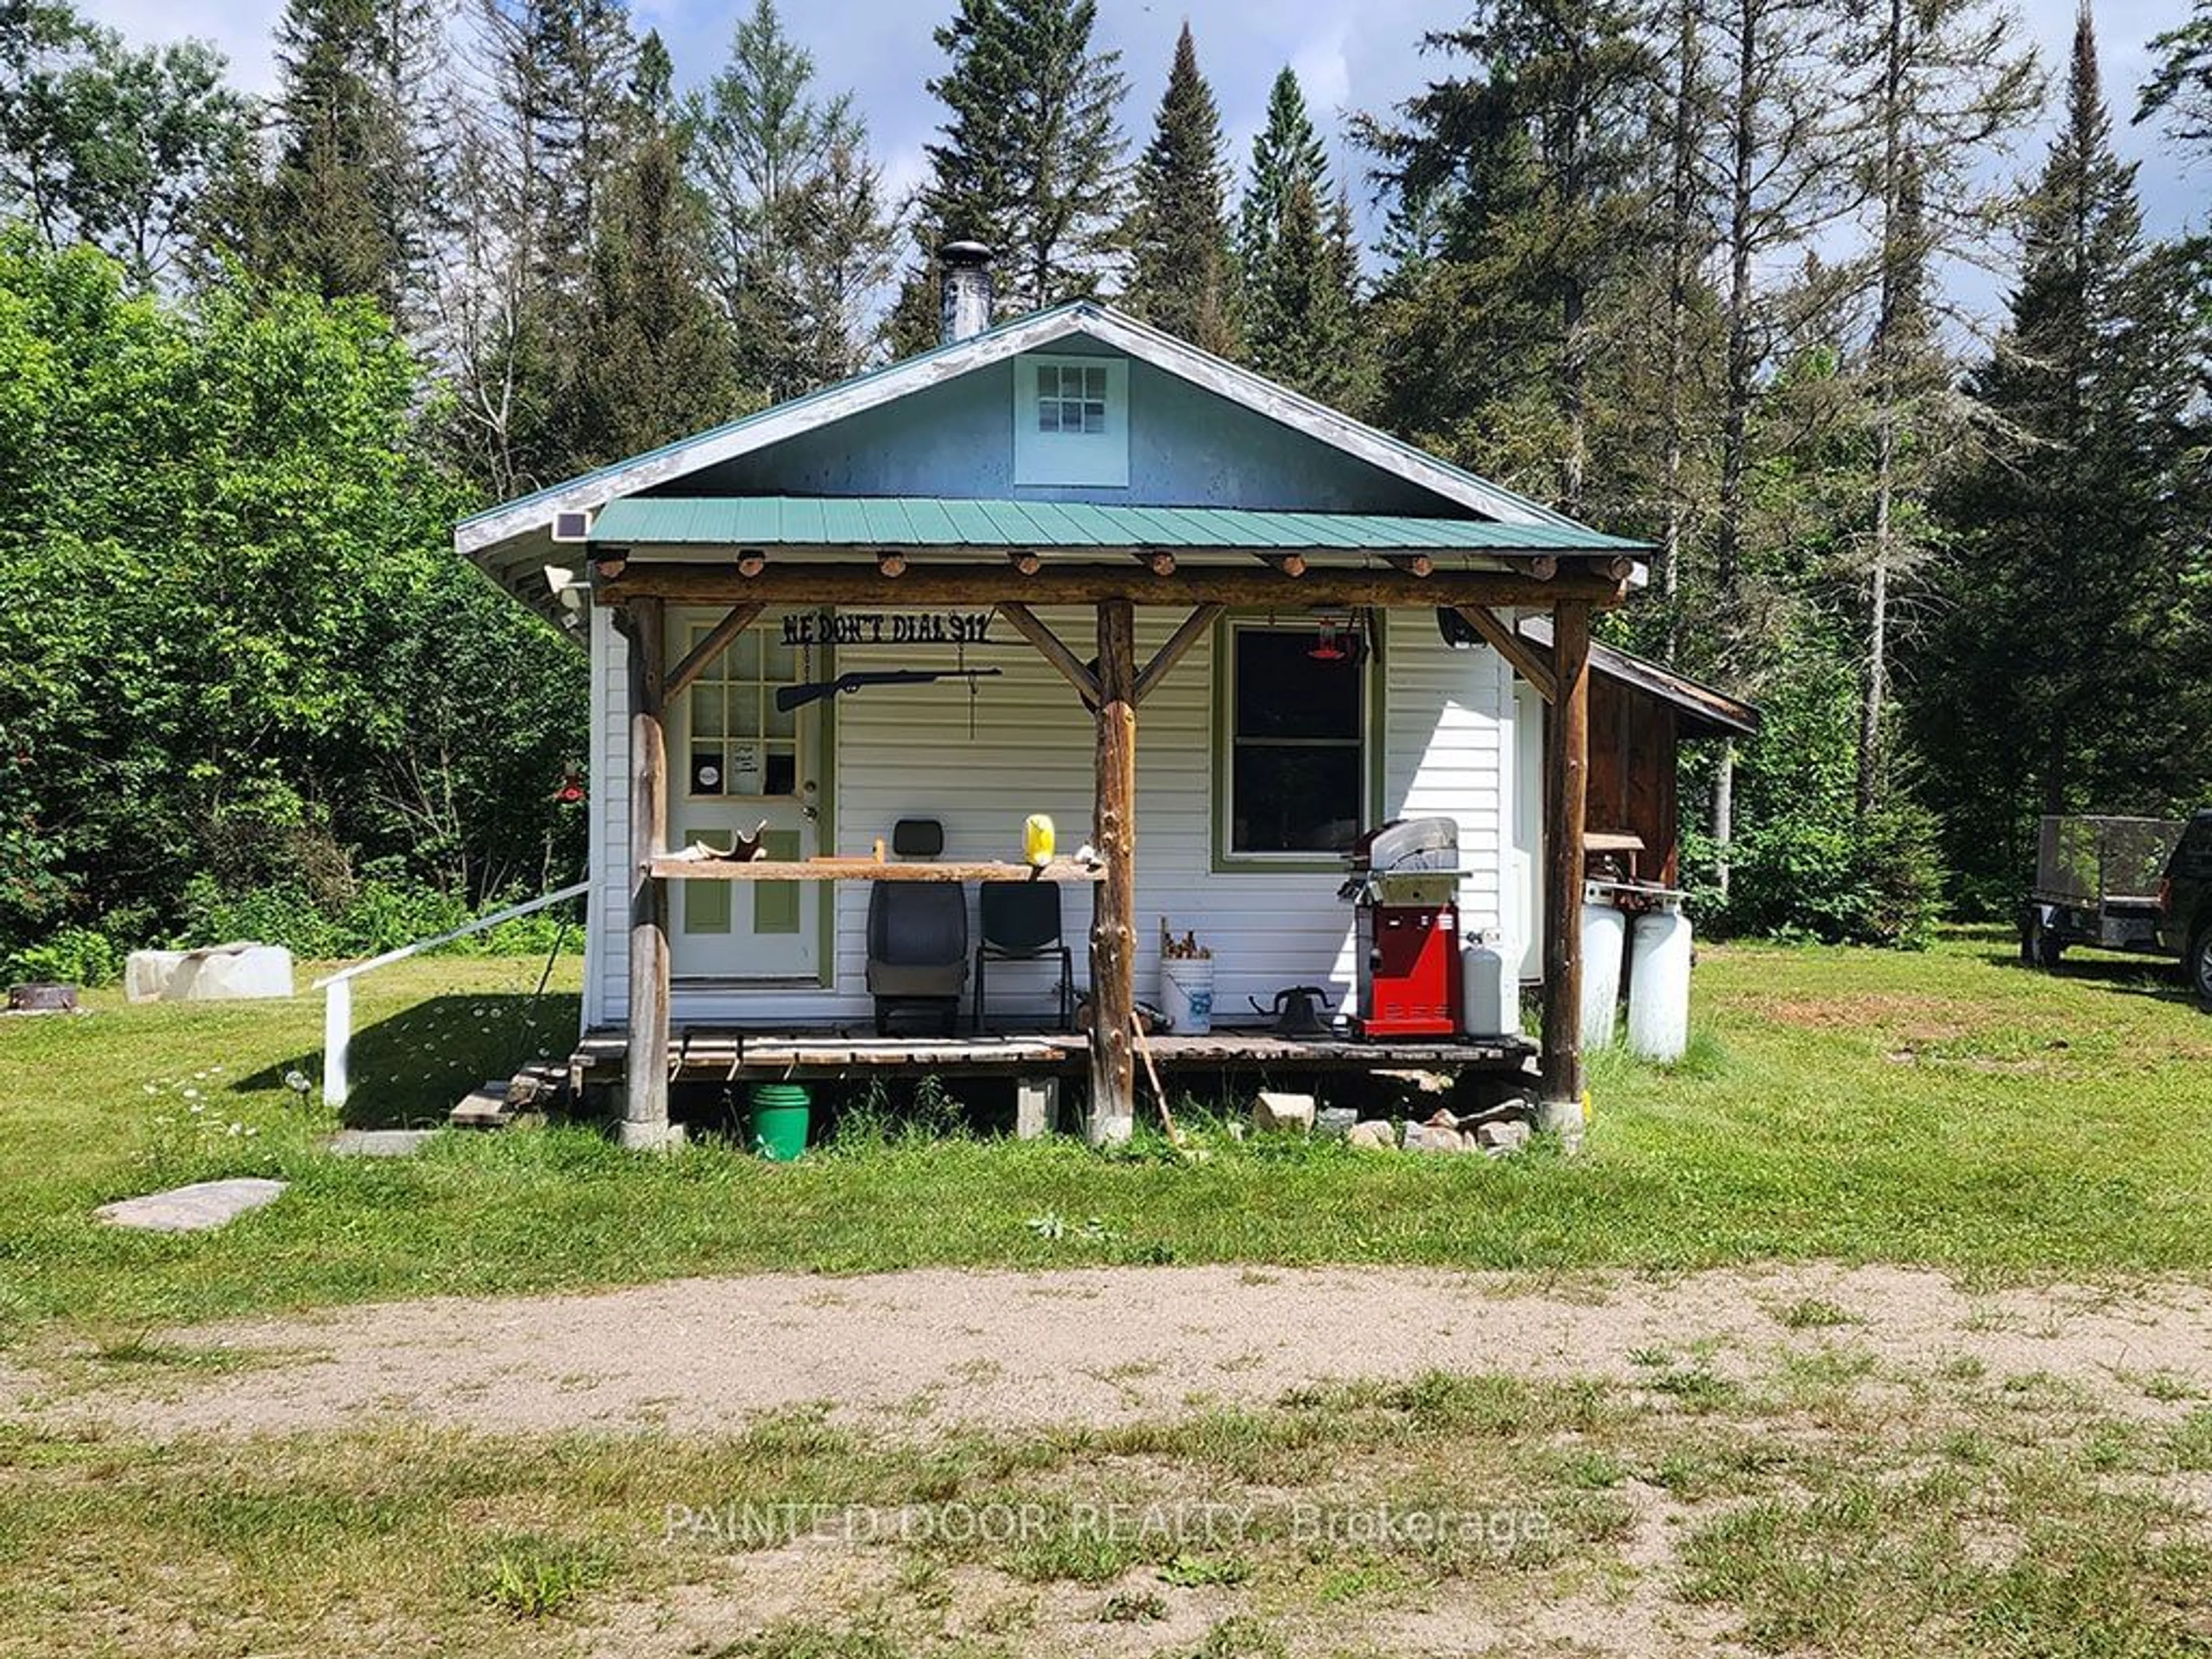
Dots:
(1605, 936)
(1489, 984)
(1659, 986)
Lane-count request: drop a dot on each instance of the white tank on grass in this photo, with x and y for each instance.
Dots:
(1490, 987)
(1605, 937)
(1659, 986)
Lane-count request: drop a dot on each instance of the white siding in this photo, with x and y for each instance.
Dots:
(906, 752)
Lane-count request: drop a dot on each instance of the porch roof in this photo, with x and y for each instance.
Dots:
(871, 522)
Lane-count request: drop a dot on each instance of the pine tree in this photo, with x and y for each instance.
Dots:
(2055, 676)
(589, 56)
(1299, 274)
(801, 237)
(1030, 161)
(527, 178)
(1287, 152)
(1532, 160)
(350, 209)
(658, 363)
(1943, 79)
(1180, 277)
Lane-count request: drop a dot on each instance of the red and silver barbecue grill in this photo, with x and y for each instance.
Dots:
(1404, 888)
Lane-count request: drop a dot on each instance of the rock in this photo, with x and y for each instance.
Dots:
(1273, 1110)
(1375, 1135)
(377, 1143)
(1508, 1136)
(193, 1209)
(1334, 1121)
(1435, 1137)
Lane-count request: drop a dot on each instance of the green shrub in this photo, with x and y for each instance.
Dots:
(380, 915)
(77, 955)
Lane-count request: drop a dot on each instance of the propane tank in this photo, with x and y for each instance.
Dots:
(1492, 988)
(1605, 937)
(1659, 986)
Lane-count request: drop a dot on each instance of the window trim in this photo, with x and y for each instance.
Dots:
(1073, 459)
(1222, 740)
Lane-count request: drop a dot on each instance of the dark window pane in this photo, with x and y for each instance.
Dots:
(1282, 692)
(782, 774)
(1301, 799)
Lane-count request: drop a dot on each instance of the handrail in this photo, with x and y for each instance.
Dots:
(338, 988)
(476, 926)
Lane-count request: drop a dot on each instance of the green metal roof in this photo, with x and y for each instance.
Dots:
(915, 521)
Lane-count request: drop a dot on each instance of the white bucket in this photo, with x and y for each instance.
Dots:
(1187, 994)
(1659, 986)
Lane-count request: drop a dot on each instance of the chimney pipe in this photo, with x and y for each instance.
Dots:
(967, 296)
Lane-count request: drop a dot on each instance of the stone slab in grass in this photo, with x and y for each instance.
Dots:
(378, 1143)
(193, 1209)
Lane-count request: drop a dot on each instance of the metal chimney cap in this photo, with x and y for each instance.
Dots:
(965, 256)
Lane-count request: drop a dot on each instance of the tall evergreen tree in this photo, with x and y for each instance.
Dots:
(801, 236)
(527, 176)
(1300, 265)
(1030, 161)
(658, 363)
(2054, 676)
(1531, 160)
(1942, 80)
(1286, 153)
(351, 209)
(1180, 276)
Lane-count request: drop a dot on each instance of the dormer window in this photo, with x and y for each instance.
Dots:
(1072, 420)
(1071, 398)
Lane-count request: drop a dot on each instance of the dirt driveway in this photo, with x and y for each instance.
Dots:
(933, 1348)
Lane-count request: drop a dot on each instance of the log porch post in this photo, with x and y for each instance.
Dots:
(1113, 914)
(1567, 790)
(645, 1070)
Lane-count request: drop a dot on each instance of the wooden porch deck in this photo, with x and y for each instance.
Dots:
(724, 1053)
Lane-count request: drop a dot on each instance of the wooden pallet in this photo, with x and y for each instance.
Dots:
(498, 1102)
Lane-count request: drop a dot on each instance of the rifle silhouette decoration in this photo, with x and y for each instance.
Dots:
(788, 697)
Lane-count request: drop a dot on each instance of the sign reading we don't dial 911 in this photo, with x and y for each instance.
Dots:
(887, 627)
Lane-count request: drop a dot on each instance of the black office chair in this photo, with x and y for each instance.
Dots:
(1021, 923)
(917, 935)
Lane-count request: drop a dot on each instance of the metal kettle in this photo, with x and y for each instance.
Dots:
(1297, 1011)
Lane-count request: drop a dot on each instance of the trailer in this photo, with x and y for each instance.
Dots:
(2097, 883)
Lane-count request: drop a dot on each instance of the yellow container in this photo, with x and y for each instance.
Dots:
(1038, 839)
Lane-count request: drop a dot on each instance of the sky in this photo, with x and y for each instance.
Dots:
(1351, 55)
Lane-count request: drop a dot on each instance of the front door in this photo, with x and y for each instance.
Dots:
(735, 760)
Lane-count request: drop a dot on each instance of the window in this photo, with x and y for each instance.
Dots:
(1071, 399)
(741, 743)
(1072, 420)
(1296, 726)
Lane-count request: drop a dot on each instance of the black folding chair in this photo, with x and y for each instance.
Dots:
(1021, 923)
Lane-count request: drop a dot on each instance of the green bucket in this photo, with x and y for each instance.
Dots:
(780, 1114)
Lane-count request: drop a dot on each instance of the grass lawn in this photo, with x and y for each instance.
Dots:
(1946, 1107)
(1806, 1495)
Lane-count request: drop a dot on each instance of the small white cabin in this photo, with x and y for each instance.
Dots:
(1094, 562)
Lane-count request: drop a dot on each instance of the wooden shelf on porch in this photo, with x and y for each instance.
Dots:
(678, 867)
